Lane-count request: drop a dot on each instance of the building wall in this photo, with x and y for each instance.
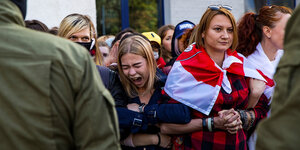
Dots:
(192, 10)
(51, 12)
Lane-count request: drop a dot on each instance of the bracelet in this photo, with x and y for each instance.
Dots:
(141, 108)
(209, 124)
(212, 123)
(244, 118)
(204, 124)
(158, 139)
(251, 120)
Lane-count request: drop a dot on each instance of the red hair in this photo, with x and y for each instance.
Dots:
(250, 27)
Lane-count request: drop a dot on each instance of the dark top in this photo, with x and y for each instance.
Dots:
(220, 139)
(156, 111)
(112, 82)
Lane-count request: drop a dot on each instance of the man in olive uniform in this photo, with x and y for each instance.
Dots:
(51, 96)
(281, 131)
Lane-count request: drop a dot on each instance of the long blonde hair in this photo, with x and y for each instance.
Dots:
(74, 23)
(135, 44)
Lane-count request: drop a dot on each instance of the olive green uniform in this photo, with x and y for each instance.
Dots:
(51, 96)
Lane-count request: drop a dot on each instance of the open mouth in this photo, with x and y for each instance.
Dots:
(136, 80)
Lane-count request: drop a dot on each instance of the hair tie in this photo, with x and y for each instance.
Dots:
(159, 139)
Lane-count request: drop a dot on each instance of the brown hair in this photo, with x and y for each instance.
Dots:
(53, 30)
(205, 22)
(36, 25)
(250, 27)
(162, 32)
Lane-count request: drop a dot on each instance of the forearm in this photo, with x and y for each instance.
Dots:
(210, 124)
(252, 101)
(257, 88)
(142, 139)
(193, 126)
(173, 113)
(261, 109)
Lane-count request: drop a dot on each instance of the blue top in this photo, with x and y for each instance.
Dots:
(156, 111)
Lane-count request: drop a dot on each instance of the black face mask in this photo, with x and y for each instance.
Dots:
(87, 45)
(90, 46)
(22, 4)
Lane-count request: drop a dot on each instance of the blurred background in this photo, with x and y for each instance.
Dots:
(111, 16)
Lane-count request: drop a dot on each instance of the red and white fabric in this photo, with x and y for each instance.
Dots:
(265, 67)
(196, 80)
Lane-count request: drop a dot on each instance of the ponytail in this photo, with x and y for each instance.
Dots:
(249, 34)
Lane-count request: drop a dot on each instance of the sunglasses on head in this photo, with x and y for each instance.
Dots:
(218, 7)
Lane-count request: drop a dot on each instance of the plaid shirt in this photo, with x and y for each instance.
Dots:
(220, 139)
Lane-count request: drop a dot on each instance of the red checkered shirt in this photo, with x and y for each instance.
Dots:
(221, 139)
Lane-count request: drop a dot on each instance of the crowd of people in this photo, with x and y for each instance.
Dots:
(190, 86)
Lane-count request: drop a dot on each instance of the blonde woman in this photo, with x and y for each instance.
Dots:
(80, 29)
(146, 108)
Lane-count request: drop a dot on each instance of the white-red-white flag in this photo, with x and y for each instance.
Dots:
(265, 67)
(196, 80)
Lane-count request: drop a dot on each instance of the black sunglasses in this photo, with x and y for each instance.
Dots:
(217, 7)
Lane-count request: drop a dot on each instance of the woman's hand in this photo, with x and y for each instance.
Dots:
(229, 115)
(219, 123)
(233, 127)
(113, 54)
(228, 120)
(165, 140)
(133, 107)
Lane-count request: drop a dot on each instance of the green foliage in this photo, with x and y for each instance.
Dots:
(112, 16)
(143, 15)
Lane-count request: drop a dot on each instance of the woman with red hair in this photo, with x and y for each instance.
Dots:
(261, 41)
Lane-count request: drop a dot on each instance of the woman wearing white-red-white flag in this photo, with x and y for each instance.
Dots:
(212, 79)
(261, 41)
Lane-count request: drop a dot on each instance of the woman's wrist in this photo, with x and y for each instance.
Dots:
(251, 118)
(218, 123)
(247, 117)
(156, 139)
(208, 124)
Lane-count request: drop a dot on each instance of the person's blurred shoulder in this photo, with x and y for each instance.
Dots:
(48, 45)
